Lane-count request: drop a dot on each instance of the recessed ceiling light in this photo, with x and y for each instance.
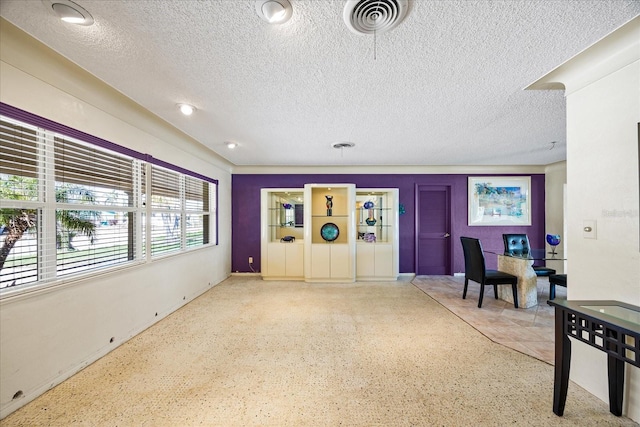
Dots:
(186, 109)
(69, 11)
(274, 11)
(231, 145)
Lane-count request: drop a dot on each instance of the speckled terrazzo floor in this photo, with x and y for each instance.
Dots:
(255, 353)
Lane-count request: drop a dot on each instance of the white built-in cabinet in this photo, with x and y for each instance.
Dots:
(377, 221)
(282, 229)
(329, 233)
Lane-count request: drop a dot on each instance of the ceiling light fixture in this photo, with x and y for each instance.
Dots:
(69, 11)
(231, 145)
(274, 11)
(186, 109)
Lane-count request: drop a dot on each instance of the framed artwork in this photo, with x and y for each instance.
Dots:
(499, 200)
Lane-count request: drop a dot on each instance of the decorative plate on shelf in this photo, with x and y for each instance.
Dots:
(329, 232)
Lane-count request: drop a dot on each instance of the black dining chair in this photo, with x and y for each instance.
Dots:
(556, 280)
(518, 245)
(475, 269)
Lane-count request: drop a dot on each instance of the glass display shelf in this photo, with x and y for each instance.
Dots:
(374, 216)
(329, 232)
(284, 215)
(330, 216)
(282, 233)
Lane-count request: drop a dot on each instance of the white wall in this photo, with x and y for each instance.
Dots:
(555, 180)
(603, 186)
(602, 86)
(48, 335)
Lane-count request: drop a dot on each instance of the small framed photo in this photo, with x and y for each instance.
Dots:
(499, 200)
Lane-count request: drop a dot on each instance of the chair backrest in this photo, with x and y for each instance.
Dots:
(474, 267)
(516, 244)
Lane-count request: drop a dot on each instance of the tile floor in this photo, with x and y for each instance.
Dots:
(528, 331)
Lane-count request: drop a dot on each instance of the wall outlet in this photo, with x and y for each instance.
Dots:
(250, 260)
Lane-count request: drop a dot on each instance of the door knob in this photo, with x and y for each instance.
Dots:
(446, 235)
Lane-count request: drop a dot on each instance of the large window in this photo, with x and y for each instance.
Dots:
(95, 210)
(69, 206)
(21, 202)
(166, 211)
(196, 206)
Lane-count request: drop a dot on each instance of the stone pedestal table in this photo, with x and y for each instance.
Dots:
(527, 280)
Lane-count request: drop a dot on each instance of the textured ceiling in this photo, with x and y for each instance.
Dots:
(445, 87)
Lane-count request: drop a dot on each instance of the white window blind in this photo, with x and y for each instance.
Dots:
(166, 214)
(19, 160)
(69, 206)
(20, 203)
(107, 176)
(95, 212)
(197, 201)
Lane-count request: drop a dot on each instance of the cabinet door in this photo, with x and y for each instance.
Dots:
(295, 260)
(320, 261)
(383, 260)
(340, 262)
(365, 260)
(276, 259)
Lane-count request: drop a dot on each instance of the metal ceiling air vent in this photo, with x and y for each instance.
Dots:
(343, 145)
(374, 16)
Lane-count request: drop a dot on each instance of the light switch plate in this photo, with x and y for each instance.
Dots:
(589, 230)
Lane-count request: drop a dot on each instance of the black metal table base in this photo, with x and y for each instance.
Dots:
(619, 338)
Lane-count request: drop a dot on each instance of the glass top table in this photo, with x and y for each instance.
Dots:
(610, 326)
(536, 255)
(612, 311)
(521, 267)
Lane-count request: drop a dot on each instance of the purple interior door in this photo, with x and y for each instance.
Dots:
(433, 229)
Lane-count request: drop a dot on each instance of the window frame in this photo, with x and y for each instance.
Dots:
(46, 205)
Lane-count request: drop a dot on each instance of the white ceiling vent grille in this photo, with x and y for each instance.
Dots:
(374, 16)
(343, 145)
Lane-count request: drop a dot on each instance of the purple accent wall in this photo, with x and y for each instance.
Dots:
(245, 200)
